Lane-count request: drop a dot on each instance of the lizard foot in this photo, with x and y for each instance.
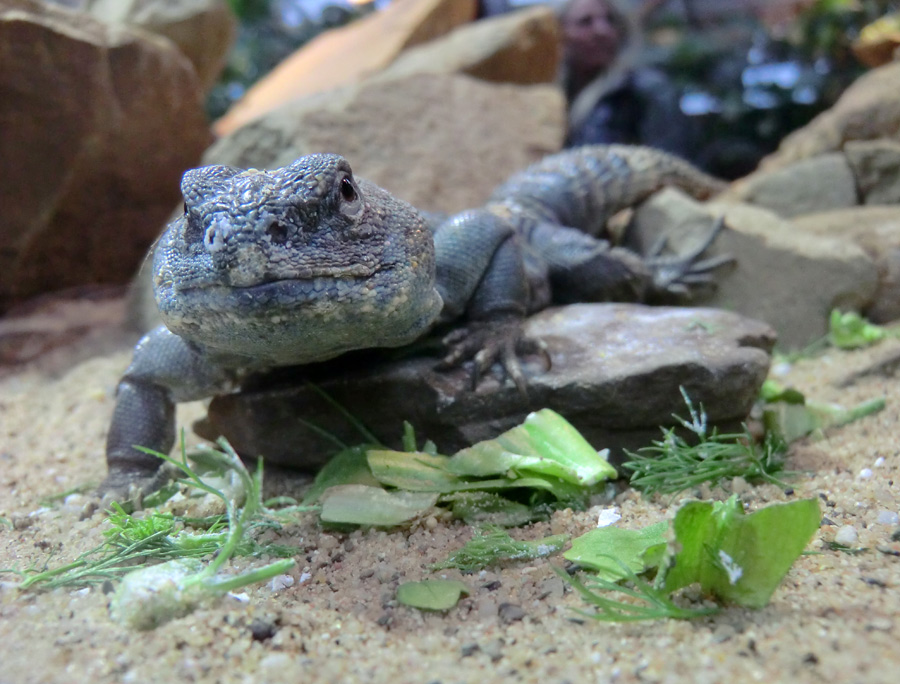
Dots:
(130, 485)
(486, 342)
(679, 275)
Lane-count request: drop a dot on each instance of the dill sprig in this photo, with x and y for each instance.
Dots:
(673, 464)
(642, 600)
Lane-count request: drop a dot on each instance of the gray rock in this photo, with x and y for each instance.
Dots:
(815, 184)
(519, 47)
(203, 30)
(439, 141)
(616, 373)
(876, 166)
(97, 124)
(782, 275)
(876, 229)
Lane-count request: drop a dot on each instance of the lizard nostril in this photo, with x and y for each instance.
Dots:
(278, 232)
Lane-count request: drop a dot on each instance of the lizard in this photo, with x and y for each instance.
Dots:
(300, 264)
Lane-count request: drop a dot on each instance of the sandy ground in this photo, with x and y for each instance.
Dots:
(835, 616)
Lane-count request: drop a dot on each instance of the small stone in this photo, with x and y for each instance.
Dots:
(888, 518)
(739, 485)
(510, 612)
(846, 535)
(280, 582)
(608, 516)
(262, 629)
(469, 650)
(865, 474)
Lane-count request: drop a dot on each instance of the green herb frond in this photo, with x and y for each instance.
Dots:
(674, 464)
(641, 601)
(492, 544)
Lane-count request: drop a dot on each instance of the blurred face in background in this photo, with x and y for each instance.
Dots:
(591, 35)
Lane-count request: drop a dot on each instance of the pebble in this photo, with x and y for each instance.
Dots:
(865, 474)
(280, 582)
(846, 535)
(888, 518)
(608, 516)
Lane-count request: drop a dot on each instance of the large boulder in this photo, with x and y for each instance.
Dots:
(519, 47)
(790, 279)
(203, 30)
(868, 109)
(439, 141)
(97, 124)
(616, 374)
(347, 55)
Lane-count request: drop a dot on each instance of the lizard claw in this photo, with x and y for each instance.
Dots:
(487, 342)
(679, 275)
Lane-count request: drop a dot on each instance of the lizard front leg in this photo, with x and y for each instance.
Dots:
(481, 273)
(164, 370)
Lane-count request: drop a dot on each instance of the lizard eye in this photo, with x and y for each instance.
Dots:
(350, 199)
(348, 192)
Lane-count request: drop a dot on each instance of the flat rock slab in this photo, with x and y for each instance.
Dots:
(616, 373)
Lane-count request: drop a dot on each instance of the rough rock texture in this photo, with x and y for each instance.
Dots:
(96, 125)
(877, 230)
(814, 184)
(203, 30)
(519, 47)
(781, 276)
(868, 109)
(876, 168)
(439, 141)
(346, 55)
(615, 374)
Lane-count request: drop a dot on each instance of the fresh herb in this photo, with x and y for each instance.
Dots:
(641, 601)
(160, 567)
(674, 464)
(843, 548)
(492, 544)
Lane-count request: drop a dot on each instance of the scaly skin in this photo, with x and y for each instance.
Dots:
(301, 264)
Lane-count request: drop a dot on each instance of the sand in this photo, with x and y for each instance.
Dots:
(834, 617)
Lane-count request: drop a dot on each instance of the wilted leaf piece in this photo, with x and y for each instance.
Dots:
(608, 549)
(364, 505)
(435, 594)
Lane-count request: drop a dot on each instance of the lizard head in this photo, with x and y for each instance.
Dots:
(294, 265)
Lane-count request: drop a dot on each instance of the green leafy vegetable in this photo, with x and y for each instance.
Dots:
(736, 557)
(493, 544)
(612, 551)
(851, 331)
(790, 415)
(546, 444)
(674, 464)
(364, 505)
(487, 508)
(433, 594)
(349, 466)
